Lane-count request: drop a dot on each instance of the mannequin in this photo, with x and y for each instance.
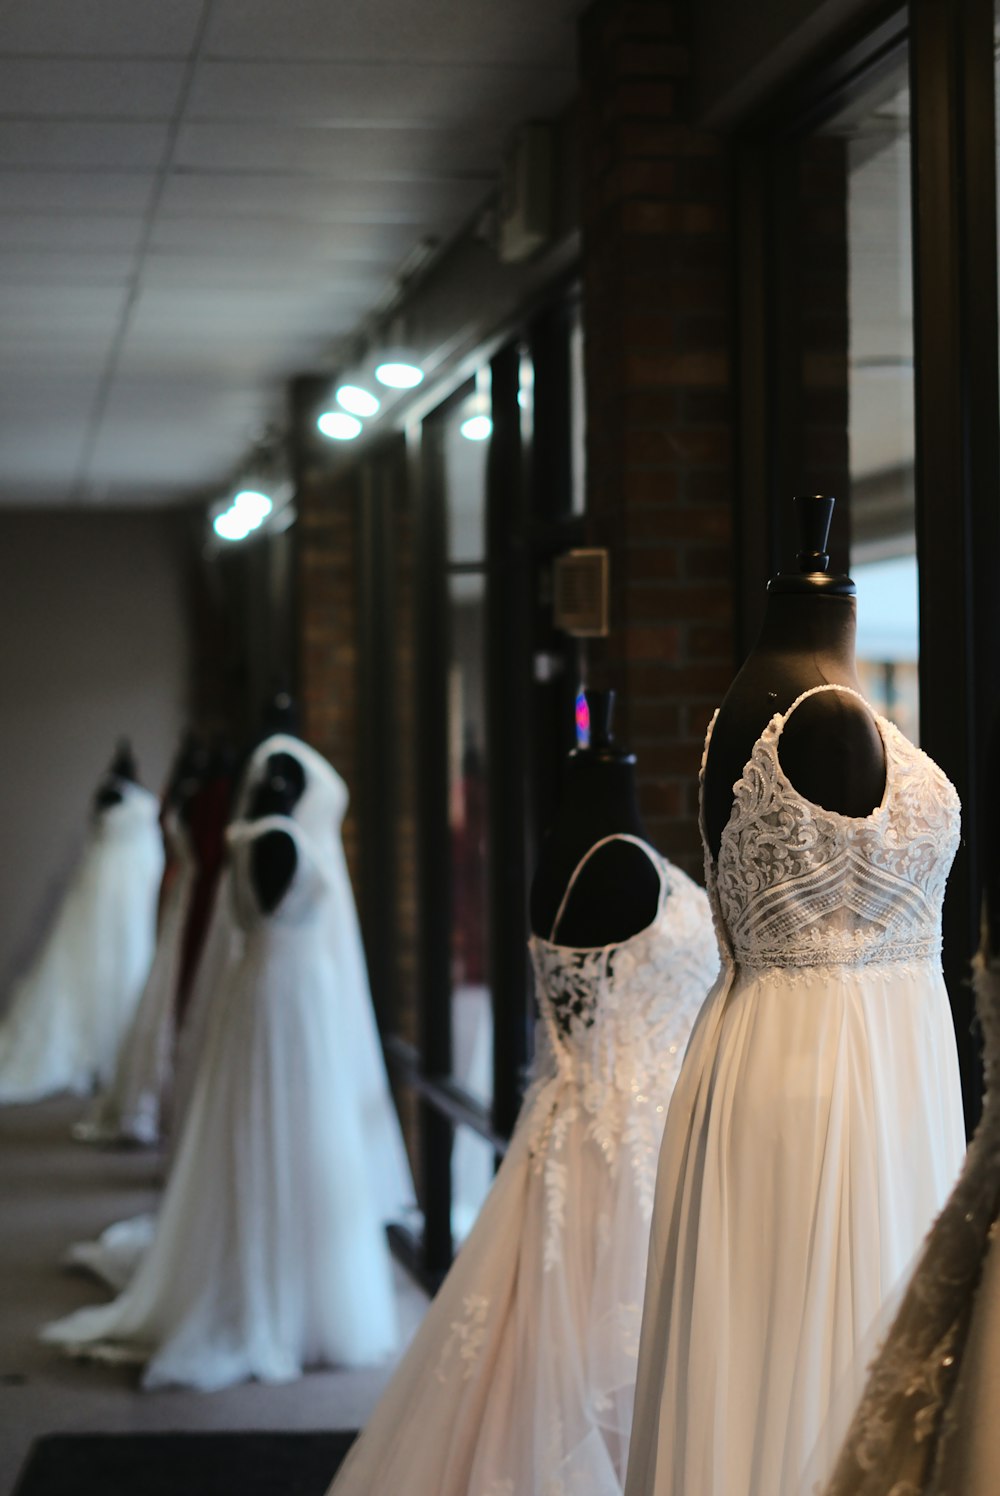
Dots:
(831, 750)
(122, 767)
(273, 858)
(991, 847)
(617, 892)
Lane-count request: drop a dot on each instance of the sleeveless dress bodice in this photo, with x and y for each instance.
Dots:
(799, 885)
(298, 904)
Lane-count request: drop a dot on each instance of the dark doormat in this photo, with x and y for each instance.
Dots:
(183, 1464)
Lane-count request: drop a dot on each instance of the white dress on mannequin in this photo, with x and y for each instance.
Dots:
(320, 812)
(815, 1130)
(519, 1381)
(268, 1254)
(130, 1110)
(71, 1010)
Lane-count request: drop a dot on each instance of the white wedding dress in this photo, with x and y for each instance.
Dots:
(131, 1108)
(71, 1010)
(519, 1381)
(268, 1254)
(815, 1130)
(320, 812)
(927, 1424)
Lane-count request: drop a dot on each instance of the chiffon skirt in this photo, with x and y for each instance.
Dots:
(813, 1136)
(268, 1255)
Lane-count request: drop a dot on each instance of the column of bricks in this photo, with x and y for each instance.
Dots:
(658, 327)
(328, 630)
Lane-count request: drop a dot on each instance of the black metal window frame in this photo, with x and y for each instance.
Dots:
(950, 58)
(527, 521)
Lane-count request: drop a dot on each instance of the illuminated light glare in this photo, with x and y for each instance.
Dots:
(231, 526)
(582, 720)
(356, 401)
(399, 376)
(476, 428)
(252, 507)
(339, 426)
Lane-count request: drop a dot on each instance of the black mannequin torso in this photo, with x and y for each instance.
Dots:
(991, 845)
(273, 860)
(831, 749)
(121, 770)
(273, 856)
(617, 893)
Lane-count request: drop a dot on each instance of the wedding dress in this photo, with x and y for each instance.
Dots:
(320, 812)
(814, 1132)
(130, 1109)
(268, 1253)
(927, 1424)
(519, 1381)
(71, 1009)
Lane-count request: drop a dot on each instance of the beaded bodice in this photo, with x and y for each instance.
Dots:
(798, 885)
(614, 1020)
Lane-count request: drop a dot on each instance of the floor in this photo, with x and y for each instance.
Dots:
(54, 1191)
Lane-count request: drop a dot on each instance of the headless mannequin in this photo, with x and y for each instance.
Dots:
(273, 857)
(617, 893)
(122, 767)
(831, 749)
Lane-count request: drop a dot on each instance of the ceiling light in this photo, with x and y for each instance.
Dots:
(339, 426)
(399, 374)
(357, 401)
(231, 526)
(252, 507)
(476, 428)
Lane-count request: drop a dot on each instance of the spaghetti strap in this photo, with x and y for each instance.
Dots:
(625, 836)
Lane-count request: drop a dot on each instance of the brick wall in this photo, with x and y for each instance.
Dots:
(658, 324)
(327, 631)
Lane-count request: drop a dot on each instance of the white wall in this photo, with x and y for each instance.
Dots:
(94, 643)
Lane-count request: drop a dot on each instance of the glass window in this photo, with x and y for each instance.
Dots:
(846, 407)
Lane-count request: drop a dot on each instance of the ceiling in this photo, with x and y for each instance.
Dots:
(200, 198)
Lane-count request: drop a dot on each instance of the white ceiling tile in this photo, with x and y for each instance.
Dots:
(68, 232)
(49, 88)
(380, 92)
(314, 199)
(24, 269)
(81, 145)
(279, 239)
(100, 27)
(541, 31)
(75, 192)
(362, 154)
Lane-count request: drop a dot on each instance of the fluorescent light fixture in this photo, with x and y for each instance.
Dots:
(476, 428)
(339, 426)
(357, 401)
(399, 374)
(231, 526)
(252, 507)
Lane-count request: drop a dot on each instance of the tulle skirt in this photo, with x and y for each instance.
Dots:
(71, 1010)
(814, 1133)
(268, 1255)
(521, 1378)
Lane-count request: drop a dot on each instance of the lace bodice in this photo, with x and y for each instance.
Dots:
(299, 902)
(798, 885)
(614, 1020)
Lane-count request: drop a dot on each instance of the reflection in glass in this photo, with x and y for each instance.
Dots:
(473, 1164)
(467, 829)
(880, 390)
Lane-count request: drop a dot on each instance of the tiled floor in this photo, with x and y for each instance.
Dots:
(54, 1191)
